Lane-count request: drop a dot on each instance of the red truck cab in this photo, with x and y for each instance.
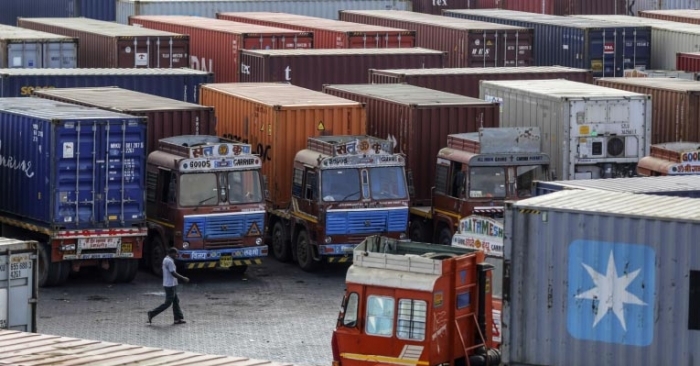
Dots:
(672, 158)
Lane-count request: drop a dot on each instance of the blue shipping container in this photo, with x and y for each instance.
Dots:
(72, 167)
(605, 49)
(95, 9)
(678, 186)
(178, 84)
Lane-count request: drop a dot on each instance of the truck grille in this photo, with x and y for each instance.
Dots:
(366, 221)
(224, 227)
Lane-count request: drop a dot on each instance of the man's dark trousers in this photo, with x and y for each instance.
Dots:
(170, 299)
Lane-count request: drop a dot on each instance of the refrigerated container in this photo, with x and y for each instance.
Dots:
(94, 9)
(19, 286)
(678, 186)
(589, 131)
(27, 48)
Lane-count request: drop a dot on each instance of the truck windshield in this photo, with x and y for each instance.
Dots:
(388, 183)
(244, 186)
(341, 185)
(487, 182)
(198, 189)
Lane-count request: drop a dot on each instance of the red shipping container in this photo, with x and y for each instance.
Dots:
(465, 81)
(530, 6)
(312, 69)
(216, 43)
(583, 7)
(688, 61)
(418, 120)
(436, 7)
(691, 16)
(468, 43)
(329, 33)
(111, 45)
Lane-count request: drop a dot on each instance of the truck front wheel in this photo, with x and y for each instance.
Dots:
(280, 243)
(305, 256)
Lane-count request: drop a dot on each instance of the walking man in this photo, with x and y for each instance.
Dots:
(170, 277)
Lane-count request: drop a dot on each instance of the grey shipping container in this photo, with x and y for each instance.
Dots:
(601, 278)
(418, 121)
(634, 7)
(312, 68)
(588, 131)
(19, 286)
(26, 48)
(181, 84)
(208, 8)
(679, 186)
(107, 44)
(465, 81)
(165, 117)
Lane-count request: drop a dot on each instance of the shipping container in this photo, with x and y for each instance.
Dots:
(181, 84)
(79, 167)
(216, 43)
(166, 117)
(19, 284)
(208, 8)
(436, 7)
(605, 49)
(276, 120)
(688, 61)
(312, 68)
(667, 38)
(467, 43)
(330, 33)
(26, 48)
(95, 9)
(676, 74)
(418, 121)
(34, 349)
(683, 15)
(531, 6)
(675, 106)
(637, 6)
(574, 7)
(105, 44)
(588, 131)
(678, 186)
(465, 81)
(602, 278)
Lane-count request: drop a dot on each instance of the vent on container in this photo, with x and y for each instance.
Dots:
(616, 147)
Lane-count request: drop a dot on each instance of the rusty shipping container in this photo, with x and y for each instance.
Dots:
(465, 81)
(165, 117)
(688, 61)
(276, 119)
(110, 45)
(582, 7)
(468, 43)
(436, 7)
(691, 16)
(418, 120)
(330, 33)
(530, 6)
(313, 68)
(216, 43)
(675, 106)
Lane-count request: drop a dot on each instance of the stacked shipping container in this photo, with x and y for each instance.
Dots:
(330, 33)
(95, 9)
(467, 43)
(26, 48)
(691, 16)
(637, 6)
(606, 49)
(688, 61)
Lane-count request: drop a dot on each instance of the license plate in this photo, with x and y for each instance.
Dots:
(225, 262)
(99, 243)
(126, 248)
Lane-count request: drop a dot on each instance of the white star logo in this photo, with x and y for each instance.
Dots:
(611, 292)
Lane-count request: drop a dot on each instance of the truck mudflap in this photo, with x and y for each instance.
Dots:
(222, 258)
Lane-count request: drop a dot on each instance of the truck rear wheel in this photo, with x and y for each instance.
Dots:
(157, 255)
(51, 273)
(131, 268)
(305, 256)
(280, 243)
(416, 231)
(115, 271)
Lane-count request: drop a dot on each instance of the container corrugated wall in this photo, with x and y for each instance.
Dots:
(436, 7)
(208, 8)
(467, 43)
(27, 48)
(675, 106)
(465, 81)
(601, 278)
(532, 6)
(418, 120)
(677, 186)
(606, 49)
(641, 5)
(166, 117)
(312, 68)
(681, 15)
(688, 61)
(179, 84)
(277, 119)
(95, 9)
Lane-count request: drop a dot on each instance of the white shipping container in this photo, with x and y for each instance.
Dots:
(30, 49)
(588, 131)
(208, 8)
(19, 284)
(667, 38)
(640, 5)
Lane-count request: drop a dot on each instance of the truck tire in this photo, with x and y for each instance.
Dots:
(280, 242)
(51, 273)
(115, 271)
(157, 255)
(445, 237)
(305, 256)
(131, 268)
(416, 232)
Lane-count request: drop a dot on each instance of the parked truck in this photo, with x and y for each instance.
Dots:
(205, 197)
(411, 303)
(73, 180)
(673, 158)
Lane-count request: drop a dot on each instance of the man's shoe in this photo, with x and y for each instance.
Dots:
(180, 321)
(150, 317)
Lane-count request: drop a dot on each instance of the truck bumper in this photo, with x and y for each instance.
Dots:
(336, 253)
(222, 258)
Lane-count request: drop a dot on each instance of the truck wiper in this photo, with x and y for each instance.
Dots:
(202, 202)
(350, 195)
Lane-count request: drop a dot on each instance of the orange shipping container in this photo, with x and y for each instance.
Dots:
(276, 119)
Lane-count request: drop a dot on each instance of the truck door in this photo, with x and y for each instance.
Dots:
(166, 198)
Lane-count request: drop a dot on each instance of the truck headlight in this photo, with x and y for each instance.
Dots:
(185, 245)
(328, 240)
(258, 241)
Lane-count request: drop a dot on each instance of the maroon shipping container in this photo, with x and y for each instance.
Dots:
(165, 117)
(675, 107)
(530, 6)
(465, 81)
(468, 43)
(329, 33)
(418, 120)
(312, 69)
(437, 6)
(111, 45)
(216, 43)
(691, 16)
(582, 7)
(688, 61)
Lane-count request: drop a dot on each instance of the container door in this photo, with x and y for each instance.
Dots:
(154, 52)
(60, 55)
(636, 50)
(16, 281)
(24, 55)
